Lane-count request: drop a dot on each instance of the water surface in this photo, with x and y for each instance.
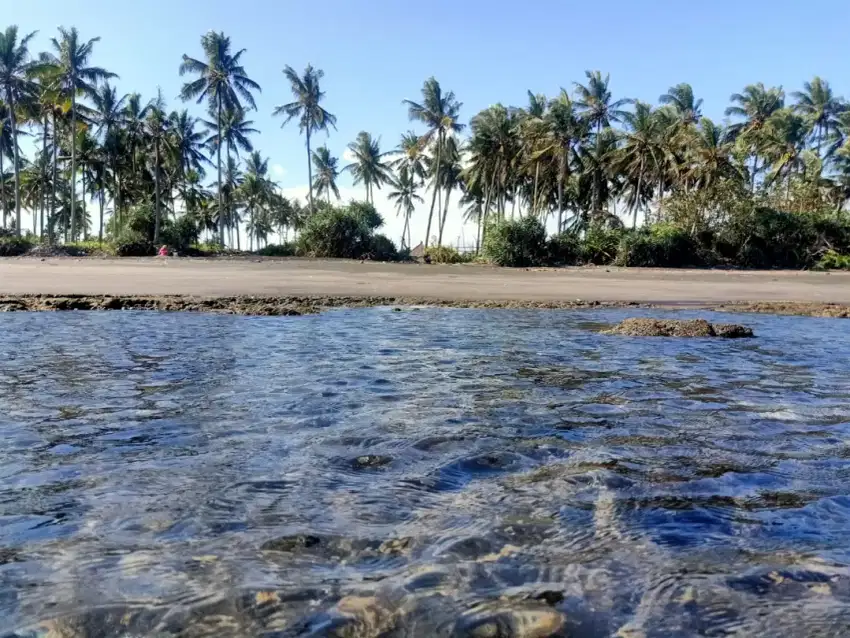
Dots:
(430, 472)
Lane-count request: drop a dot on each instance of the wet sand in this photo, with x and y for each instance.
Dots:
(327, 282)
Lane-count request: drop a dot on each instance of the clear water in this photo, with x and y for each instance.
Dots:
(421, 473)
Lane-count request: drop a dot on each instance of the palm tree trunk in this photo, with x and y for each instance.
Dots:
(83, 220)
(43, 197)
(17, 168)
(755, 170)
(488, 195)
(478, 231)
(3, 190)
(660, 196)
(536, 181)
(102, 204)
(445, 214)
(220, 198)
(52, 221)
(73, 162)
(157, 203)
(251, 233)
(560, 204)
(436, 186)
(637, 196)
(309, 171)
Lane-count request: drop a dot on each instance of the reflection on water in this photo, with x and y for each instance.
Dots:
(423, 473)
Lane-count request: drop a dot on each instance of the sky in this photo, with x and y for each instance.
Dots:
(377, 53)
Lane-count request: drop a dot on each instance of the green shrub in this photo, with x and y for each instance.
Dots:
(180, 234)
(277, 250)
(340, 232)
(600, 245)
(768, 238)
(563, 250)
(383, 249)
(133, 244)
(90, 247)
(12, 246)
(834, 261)
(367, 214)
(517, 243)
(445, 255)
(660, 246)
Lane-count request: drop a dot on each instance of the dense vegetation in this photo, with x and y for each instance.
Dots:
(767, 188)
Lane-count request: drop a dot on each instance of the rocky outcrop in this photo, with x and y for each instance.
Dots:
(638, 327)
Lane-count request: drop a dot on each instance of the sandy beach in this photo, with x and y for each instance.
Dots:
(330, 278)
(327, 278)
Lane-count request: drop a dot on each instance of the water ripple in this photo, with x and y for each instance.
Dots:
(431, 472)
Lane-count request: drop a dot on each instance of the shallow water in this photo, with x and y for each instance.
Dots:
(421, 473)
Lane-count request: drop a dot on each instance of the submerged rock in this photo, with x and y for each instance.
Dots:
(638, 327)
(370, 461)
(510, 622)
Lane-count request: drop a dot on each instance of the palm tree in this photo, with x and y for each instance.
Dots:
(712, 156)
(222, 82)
(681, 98)
(755, 105)
(439, 112)
(817, 103)
(326, 173)
(638, 155)
(599, 109)
(233, 130)
(562, 131)
(450, 178)
(368, 167)
(17, 87)
(784, 143)
(307, 107)
(75, 76)
(187, 151)
(110, 111)
(157, 127)
(188, 143)
(6, 145)
(411, 155)
(596, 102)
(405, 198)
(257, 192)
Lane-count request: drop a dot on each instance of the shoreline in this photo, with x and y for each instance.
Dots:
(306, 305)
(299, 286)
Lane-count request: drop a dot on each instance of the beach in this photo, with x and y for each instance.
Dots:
(445, 284)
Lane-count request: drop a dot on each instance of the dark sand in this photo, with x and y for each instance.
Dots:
(303, 282)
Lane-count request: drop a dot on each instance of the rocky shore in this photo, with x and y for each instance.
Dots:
(294, 305)
(260, 305)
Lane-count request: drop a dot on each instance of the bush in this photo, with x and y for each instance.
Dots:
(660, 246)
(563, 250)
(383, 249)
(90, 247)
(769, 238)
(11, 246)
(834, 261)
(133, 244)
(340, 232)
(445, 255)
(520, 243)
(180, 234)
(600, 245)
(277, 250)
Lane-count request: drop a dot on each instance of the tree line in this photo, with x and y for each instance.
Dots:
(582, 158)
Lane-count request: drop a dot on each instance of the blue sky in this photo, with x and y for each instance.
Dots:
(377, 53)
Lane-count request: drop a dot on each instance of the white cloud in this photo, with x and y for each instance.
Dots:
(348, 156)
(278, 170)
